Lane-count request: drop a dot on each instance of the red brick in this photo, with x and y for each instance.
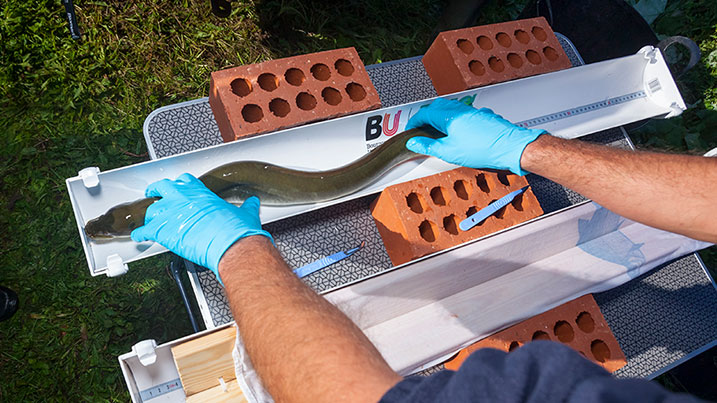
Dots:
(473, 57)
(258, 98)
(421, 216)
(578, 324)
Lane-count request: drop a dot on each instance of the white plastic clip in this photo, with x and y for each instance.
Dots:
(89, 177)
(116, 266)
(225, 388)
(675, 110)
(145, 351)
(650, 53)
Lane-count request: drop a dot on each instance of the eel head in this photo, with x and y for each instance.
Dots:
(119, 221)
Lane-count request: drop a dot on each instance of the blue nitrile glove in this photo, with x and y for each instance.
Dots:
(196, 224)
(476, 138)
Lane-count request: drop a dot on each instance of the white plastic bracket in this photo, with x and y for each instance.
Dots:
(650, 53)
(675, 110)
(145, 351)
(90, 177)
(116, 266)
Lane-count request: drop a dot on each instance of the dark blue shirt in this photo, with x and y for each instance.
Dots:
(540, 371)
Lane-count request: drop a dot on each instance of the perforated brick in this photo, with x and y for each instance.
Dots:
(578, 324)
(258, 98)
(421, 216)
(472, 57)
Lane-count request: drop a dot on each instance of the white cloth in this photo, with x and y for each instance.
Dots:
(247, 377)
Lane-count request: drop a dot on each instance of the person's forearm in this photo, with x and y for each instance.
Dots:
(303, 347)
(677, 193)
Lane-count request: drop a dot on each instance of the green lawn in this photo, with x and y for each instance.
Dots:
(66, 105)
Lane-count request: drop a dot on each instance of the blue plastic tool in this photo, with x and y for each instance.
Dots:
(488, 211)
(304, 271)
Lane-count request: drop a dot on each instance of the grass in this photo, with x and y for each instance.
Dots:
(66, 105)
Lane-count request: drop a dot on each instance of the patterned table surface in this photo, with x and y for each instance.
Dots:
(659, 319)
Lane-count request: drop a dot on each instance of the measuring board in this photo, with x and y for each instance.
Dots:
(608, 94)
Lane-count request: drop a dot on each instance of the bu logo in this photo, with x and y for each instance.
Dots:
(377, 125)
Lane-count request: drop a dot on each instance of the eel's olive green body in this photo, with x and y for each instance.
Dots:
(274, 185)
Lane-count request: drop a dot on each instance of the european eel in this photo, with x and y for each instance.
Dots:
(273, 184)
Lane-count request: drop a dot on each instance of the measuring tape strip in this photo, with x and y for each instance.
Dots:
(159, 390)
(582, 109)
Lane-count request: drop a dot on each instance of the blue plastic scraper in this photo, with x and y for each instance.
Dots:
(304, 271)
(488, 211)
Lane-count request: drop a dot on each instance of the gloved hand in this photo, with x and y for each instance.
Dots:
(476, 138)
(193, 222)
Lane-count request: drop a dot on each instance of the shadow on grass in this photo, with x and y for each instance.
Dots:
(379, 30)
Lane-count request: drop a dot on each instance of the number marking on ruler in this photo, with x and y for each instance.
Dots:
(582, 109)
(159, 390)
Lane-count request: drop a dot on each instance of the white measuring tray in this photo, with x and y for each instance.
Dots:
(568, 103)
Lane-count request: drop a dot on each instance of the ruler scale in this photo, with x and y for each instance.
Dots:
(159, 390)
(579, 110)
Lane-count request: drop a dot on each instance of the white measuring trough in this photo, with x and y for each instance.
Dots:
(598, 96)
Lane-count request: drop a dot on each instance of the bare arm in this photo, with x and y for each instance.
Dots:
(677, 193)
(303, 347)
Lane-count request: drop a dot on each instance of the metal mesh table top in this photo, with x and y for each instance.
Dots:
(680, 291)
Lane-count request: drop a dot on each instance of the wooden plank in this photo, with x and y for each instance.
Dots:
(217, 394)
(202, 361)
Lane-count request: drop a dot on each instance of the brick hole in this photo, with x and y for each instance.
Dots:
(465, 46)
(461, 188)
(294, 77)
(540, 335)
(533, 57)
(428, 231)
(503, 178)
(513, 346)
(496, 64)
(344, 67)
(241, 87)
(482, 183)
(305, 101)
(500, 213)
(484, 42)
(268, 82)
(476, 67)
(332, 96)
(439, 196)
(415, 202)
(279, 107)
(600, 350)
(521, 36)
(450, 224)
(539, 33)
(472, 210)
(563, 331)
(503, 39)
(356, 92)
(515, 60)
(320, 72)
(252, 113)
(517, 202)
(550, 53)
(585, 322)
